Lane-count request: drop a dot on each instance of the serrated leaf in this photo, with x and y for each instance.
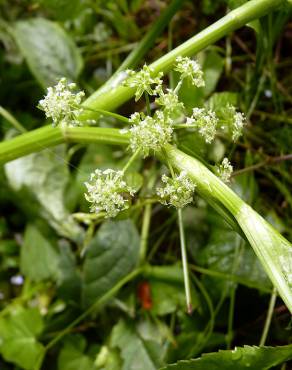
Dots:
(38, 258)
(110, 256)
(18, 342)
(49, 51)
(251, 358)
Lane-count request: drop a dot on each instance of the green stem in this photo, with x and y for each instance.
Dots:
(265, 241)
(116, 96)
(131, 160)
(270, 247)
(48, 136)
(233, 289)
(184, 261)
(107, 113)
(210, 325)
(141, 49)
(148, 108)
(269, 317)
(176, 90)
(12, 120)
(95, 306)
(145, 231)
(230, 277)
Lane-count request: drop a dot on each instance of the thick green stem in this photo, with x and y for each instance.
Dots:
(48, 136)
(272, 249)
(115, 96)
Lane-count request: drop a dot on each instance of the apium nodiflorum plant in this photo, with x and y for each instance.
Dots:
(107, 191)
(273, 250)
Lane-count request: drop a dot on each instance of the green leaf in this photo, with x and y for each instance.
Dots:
(72, 357)
(136, 351)
(213, 68)
(41, 179)
(252, 358)
(220, 255)
(18, 342)
(219, 100)
(49, 51)
(38, 258)
(111, 255)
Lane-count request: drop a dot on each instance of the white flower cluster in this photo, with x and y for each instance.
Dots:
(143, 81)
(108, 192)
(205, 122)
(190, 69)
(177, 191)
(224, 170)
(169, 101)
(61, 104)
(149, 133)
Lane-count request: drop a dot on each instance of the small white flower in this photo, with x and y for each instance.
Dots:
(177, 191)
(143, 81)
(61, 104)
(190, 69)
(169, 101)
(224, 170)
(108, 192)
(205, 122)
(149, 133)
(233, 121)
(238, 124)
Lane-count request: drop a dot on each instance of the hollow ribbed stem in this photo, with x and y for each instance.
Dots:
(48, 136)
